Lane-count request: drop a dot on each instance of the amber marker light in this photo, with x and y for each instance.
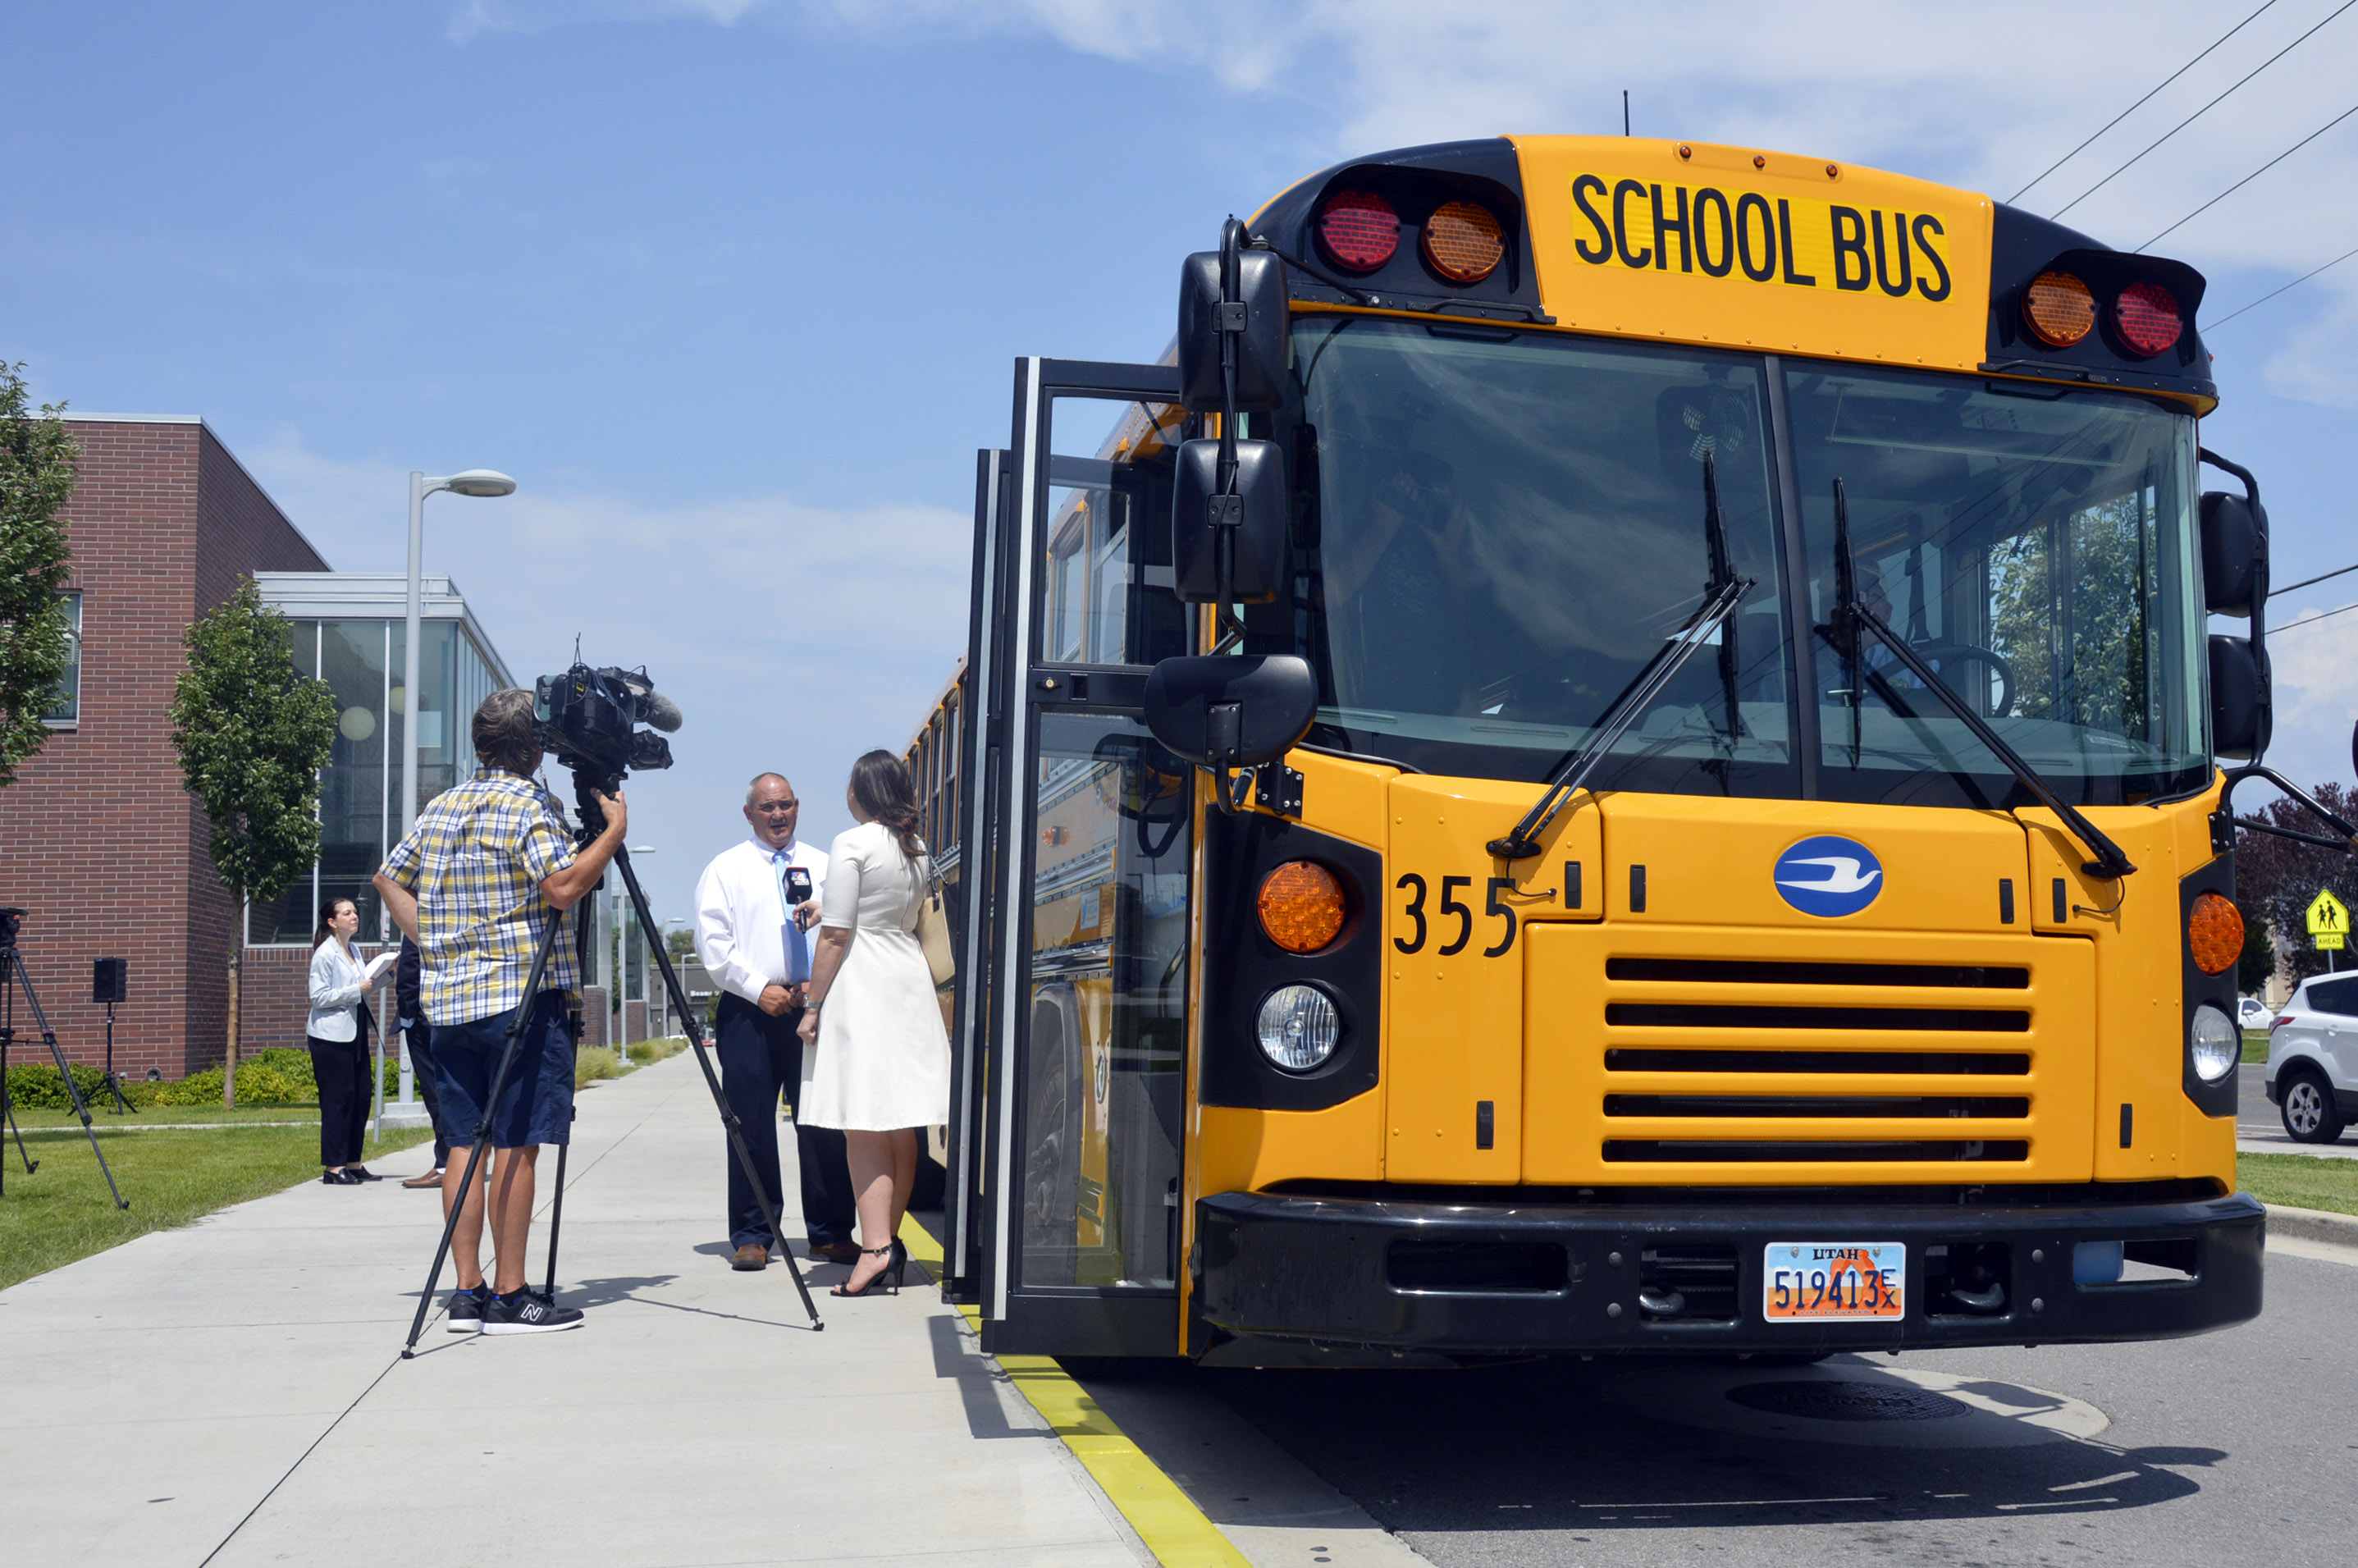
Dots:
(2058, 308)
(1463, 242)
(2146, 317)
(1359, 230)
(1302, 906)
(2214, 932)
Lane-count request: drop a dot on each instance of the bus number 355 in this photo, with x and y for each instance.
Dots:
(1453, 908)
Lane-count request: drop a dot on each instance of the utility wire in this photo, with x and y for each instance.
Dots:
(2141, 103)
(2272, 293)
(2307, 580)
(2306, 621)
(2200, 113)
(2254, 175)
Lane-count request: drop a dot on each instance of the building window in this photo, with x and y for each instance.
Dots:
(67, 711)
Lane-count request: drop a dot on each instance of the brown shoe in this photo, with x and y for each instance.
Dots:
(751, 1258)
(835, 1251)
(429, 1178)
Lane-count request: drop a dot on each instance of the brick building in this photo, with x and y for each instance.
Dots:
(97, 838)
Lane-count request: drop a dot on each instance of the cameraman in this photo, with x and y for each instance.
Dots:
(476, 885)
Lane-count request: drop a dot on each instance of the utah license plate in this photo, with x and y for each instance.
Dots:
(1833, 1282)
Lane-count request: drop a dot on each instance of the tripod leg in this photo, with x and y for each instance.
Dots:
(729, 1122)
(483, 1138)
(556, 1219)
(113, 1084)
(9, 1106)
(74, 1090)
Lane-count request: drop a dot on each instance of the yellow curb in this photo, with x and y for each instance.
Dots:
(1165, 1518)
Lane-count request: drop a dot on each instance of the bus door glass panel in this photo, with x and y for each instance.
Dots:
(1107, 1006)
(1106, 552)
(2038, 552)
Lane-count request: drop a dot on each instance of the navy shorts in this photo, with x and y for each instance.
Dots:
(536, 1105)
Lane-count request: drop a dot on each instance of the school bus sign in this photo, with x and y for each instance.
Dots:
(2328, 920)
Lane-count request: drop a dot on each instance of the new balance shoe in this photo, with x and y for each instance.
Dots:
(465, 1314)
(527, 1313)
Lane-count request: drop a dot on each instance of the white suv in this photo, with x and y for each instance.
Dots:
(2312, 1071)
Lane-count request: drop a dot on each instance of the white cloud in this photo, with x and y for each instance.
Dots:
(2315, 702)
(792, 637)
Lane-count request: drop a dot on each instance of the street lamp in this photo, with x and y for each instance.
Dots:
(473, 482)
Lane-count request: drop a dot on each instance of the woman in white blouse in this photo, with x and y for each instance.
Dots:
(338, 1034)
(882, 1069)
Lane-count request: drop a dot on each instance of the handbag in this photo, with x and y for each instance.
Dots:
(933, 928)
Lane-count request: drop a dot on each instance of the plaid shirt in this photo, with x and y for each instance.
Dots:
(476, 859)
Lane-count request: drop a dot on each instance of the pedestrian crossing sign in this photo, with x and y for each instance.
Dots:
(2328, 920)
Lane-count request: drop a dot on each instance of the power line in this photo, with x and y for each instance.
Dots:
(2272, 293)
(2141, 103)
(2310, 620)
(2255, 174)
(2307, 580)
(2200, 113)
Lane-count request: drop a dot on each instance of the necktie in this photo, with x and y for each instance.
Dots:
(797, 946)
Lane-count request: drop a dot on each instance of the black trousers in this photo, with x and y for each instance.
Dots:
(759, 1057)
(420, 1036)
(341, 1069)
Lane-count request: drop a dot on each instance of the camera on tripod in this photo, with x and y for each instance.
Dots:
(589, 721)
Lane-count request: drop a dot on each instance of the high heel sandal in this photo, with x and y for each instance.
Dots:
(876, 1279)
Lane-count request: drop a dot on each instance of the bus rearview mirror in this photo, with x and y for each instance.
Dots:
(1248, 520)
(2235, 553)
(1220, 711)
(2241, 710)
(1255, 317)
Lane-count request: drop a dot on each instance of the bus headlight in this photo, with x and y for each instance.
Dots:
(2213, 1040)
(1298, 1027)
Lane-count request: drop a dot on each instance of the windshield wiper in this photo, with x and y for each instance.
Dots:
(1722, 594)
(1851, 616)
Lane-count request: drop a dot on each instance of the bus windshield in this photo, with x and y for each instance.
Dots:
(1500, 529)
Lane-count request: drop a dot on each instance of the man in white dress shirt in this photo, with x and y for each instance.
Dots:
(754, 944)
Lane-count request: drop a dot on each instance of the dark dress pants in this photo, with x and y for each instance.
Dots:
(759, 1055)
(420, 1036)
(340, 1068)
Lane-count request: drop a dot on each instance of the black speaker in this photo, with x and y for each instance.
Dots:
(109, 981)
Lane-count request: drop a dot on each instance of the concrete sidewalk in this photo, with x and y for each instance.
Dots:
(231, 1393)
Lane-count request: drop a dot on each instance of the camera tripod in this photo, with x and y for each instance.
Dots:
(13, 978)
(594, 821)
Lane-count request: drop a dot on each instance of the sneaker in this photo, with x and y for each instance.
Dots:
(466, 1310)
(527, 1313)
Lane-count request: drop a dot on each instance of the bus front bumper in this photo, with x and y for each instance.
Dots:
(1501, 1279)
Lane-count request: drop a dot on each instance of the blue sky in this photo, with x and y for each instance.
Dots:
(734, 289)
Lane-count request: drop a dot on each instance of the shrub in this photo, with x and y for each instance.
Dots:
(646, 1053)
(593, 1062)
(36, 1087)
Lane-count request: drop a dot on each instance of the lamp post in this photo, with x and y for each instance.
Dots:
(473, 482)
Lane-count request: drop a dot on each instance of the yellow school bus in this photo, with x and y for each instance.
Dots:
(1618, 753)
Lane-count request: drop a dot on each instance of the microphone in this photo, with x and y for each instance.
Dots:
(662, 712)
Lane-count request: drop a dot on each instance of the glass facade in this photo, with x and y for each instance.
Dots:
(67, 710)
(360, 789)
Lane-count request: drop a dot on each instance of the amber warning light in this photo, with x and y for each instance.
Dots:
(1302, 906)
(2214, 933)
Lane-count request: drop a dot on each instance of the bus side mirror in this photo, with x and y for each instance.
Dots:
(2242, 712)
(1224, 713)
(1248, 523)
(1255, 317)
(2235, 553)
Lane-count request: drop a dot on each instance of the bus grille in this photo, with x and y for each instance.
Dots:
(1905, 1063)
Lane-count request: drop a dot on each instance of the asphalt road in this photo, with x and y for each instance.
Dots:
(2237, 1446)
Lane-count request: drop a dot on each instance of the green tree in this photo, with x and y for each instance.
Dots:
(253, 735)
(680, 944)
(2258, 964)
(37, 474)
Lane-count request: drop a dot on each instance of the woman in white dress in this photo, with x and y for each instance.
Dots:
(881, 1066)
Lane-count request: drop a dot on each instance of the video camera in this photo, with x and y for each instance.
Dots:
(590, 720)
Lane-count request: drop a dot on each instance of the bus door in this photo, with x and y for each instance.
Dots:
(1080, 1034)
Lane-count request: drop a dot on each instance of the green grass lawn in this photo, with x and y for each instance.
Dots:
(2301, 1180)
(2255, 1044)
(104, 1115)
(61, 1211)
